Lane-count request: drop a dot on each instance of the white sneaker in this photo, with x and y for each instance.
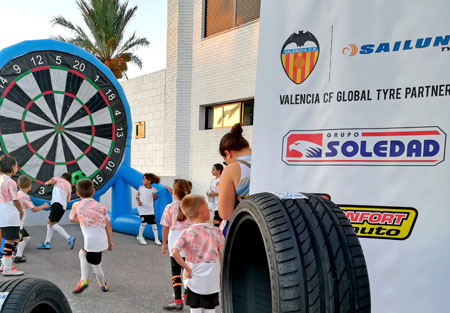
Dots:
(157, 242)
(141, 240)
(12, 272)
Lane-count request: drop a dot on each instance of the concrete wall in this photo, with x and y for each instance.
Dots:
(178, 87)
(146, 96)
(199, 72)
(223, 70)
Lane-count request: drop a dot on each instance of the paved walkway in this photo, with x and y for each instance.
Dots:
(138, 275)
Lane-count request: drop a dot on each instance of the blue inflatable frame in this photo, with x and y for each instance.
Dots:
(124, 219)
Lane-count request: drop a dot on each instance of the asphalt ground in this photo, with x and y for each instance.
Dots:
(138, 276)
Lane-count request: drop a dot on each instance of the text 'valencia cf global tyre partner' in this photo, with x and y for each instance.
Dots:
(32, 295)
(293, 255)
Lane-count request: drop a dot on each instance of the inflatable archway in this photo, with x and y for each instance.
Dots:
(62, 110)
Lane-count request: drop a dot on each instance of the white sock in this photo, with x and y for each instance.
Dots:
(7, 264)
(209, 311)
(199, 310)
(49, 233)
(60, 231)
(141, 229)
(83, 265)
(98, 271)
(21, 246)
(155, 233)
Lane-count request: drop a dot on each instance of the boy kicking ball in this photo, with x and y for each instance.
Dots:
(60, 195)
(97, 233)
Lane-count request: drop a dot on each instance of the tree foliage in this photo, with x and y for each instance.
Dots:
(106, 21)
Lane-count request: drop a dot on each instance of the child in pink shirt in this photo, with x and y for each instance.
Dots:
(61, 193)
(24, 183)
(10, 213)
(97, 233)
(203, 244)
(174, 221)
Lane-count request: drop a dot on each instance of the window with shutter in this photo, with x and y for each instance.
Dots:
(221, 15)
(247, 11)
(218, 16)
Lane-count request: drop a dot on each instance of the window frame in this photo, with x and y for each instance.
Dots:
(241, 103)
(234, 20)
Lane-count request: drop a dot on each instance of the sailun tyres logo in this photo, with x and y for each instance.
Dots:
(396, 46)
(411, 146)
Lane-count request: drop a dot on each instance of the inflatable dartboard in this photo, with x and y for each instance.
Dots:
(61, 110)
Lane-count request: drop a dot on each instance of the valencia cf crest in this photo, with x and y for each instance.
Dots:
(299, 56)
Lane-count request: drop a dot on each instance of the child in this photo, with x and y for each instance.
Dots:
(24, 183)
(145, 196)
(213, 192)
(203, 244)
(60, 195)
(10, 213)
(173, 222)
(97, 233)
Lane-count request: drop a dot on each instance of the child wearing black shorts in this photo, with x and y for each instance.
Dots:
(10, 213)
(203, 245)
(145, 196)
(97, 233)
(60, 195)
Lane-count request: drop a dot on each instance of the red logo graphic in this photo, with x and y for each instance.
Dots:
(304, 145)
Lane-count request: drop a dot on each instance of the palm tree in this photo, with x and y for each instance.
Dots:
(106, 21)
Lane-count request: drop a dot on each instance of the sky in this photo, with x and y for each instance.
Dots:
(30, 20)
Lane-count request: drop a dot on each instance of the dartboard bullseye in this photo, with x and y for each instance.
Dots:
(59, 113)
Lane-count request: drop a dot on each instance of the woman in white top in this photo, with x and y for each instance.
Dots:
(235, 179)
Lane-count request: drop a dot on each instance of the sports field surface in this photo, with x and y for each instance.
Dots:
(138, 276)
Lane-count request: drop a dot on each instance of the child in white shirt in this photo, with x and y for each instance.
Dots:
(24, 183)
(60, 195)
(213, 192)
(145, 196)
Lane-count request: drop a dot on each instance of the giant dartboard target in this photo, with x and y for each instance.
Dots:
(60, 113)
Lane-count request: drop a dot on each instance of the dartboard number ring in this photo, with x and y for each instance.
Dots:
(59, 113)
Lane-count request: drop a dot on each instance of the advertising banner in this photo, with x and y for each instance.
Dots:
(353, 100)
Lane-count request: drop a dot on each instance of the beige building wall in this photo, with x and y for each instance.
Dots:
(146, 97)
(223, 70)
(199, 72)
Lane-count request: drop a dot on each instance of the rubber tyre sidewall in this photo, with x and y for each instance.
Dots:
(38, 292)
(244, 212)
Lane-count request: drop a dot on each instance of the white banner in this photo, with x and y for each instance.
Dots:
(353, 100)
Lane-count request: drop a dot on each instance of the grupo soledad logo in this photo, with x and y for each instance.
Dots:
(299, 56)
(381, 222)
(441, 42)
(410, 146)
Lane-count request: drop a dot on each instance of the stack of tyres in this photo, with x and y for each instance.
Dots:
(293, 255)
(32, 295)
